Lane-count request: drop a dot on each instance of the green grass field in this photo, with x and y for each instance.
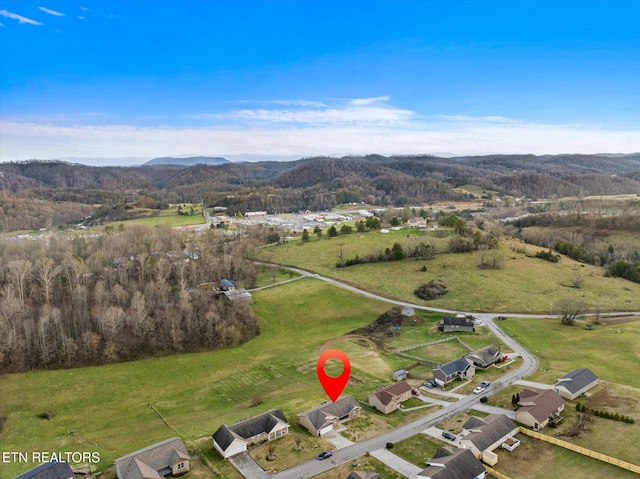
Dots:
(98, 408)
(522, 284)
(168, 217)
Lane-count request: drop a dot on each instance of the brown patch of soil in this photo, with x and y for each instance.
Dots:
(381, 330)
(603, 400)
(582, 425)
(431, 290)
(617, 320)
(356, 337)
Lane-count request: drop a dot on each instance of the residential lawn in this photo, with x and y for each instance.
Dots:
(417, 449)
(372, 423)
(454, 424)
(535, 459)
(367, 463)
(99, 407)
(522, 284)
(285, 451)
(271, 275)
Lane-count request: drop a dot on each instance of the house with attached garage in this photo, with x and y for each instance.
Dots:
(388, 399)
(232, 440)
(48, 470)
(576, 383)
(166, 458)
(483, 435)
(538, 409)
(325, 417)
(453, 463)
(485, 357)
(457, 369)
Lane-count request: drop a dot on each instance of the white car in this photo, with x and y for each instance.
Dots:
(478, 390)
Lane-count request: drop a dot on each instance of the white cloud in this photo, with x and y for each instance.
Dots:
(369, 101)
(23, 140)
(84, 9)
(80, 17)
(20, 18)
(51, 12)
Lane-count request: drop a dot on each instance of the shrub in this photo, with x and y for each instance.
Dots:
(484, 399)
(389, 445)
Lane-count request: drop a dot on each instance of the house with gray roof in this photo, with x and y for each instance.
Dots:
(460, 368)
(537, 409)
(485, 357)
(48, 470)
(364, 475)
(455, 323)
(576, 383)
(483, 435)
(325, 417)
(453, 463)
(232, 440)
(166, 458)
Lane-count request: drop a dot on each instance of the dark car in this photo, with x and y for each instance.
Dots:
(324, 455)
(449, 435)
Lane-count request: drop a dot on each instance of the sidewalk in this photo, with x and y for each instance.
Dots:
(397, 463)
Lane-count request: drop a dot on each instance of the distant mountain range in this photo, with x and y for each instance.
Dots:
(185, 162)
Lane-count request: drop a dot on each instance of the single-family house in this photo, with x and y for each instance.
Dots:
(388, 399)
(166, 458)
(537, 409)
(364, 475)
(453, 463)
(400, 375)
(483, 435)
(458, 368)
(485, 357)
(234, 439)
(325, 417)
(48, 470)
(455, 323)
(227, 289)
(575, 383)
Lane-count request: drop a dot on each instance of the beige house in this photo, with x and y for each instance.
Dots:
(538, 409)
(388, 399)
(232, 440)
(325, 417)
(485, 357)
(483, 435)
(576, 383)
(166, 458)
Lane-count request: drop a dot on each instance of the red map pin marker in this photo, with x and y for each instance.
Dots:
(333, 386)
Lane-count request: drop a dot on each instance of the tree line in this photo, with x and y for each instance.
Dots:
(76, 301)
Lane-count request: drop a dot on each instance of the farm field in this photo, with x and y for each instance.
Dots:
(521, 285)
(168, 217)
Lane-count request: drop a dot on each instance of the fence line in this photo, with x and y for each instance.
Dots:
(496, 474)
(581, 450)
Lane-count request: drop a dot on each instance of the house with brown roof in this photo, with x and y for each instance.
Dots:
(453, 463)
(576, 383)
(483, 435)
(325, 417)
(537, 409)
(485, 357)
(388, 399)
(48, 470)
(166, 458)
(237, 438)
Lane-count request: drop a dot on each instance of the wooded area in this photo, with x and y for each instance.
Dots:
(119, 296)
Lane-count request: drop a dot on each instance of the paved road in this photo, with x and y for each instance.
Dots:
(349, 453)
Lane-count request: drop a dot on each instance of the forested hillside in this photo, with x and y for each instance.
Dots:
(321, 183)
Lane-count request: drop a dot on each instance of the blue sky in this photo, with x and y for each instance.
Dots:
(285, 79)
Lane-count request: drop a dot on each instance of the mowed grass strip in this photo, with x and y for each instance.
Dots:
(107, 408)
(521, 284)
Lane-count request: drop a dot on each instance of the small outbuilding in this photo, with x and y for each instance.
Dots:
(400, 375)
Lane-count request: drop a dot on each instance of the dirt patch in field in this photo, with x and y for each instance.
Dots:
(383, 329)
(583, 422)
(353, 337)
(603, 399)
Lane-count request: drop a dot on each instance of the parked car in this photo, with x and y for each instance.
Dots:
(324, 455)
(449, 435)
(478, 390)
(415, 392)
(430, 384)
(484, 384)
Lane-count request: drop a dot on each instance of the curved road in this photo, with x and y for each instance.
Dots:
(349, 453)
